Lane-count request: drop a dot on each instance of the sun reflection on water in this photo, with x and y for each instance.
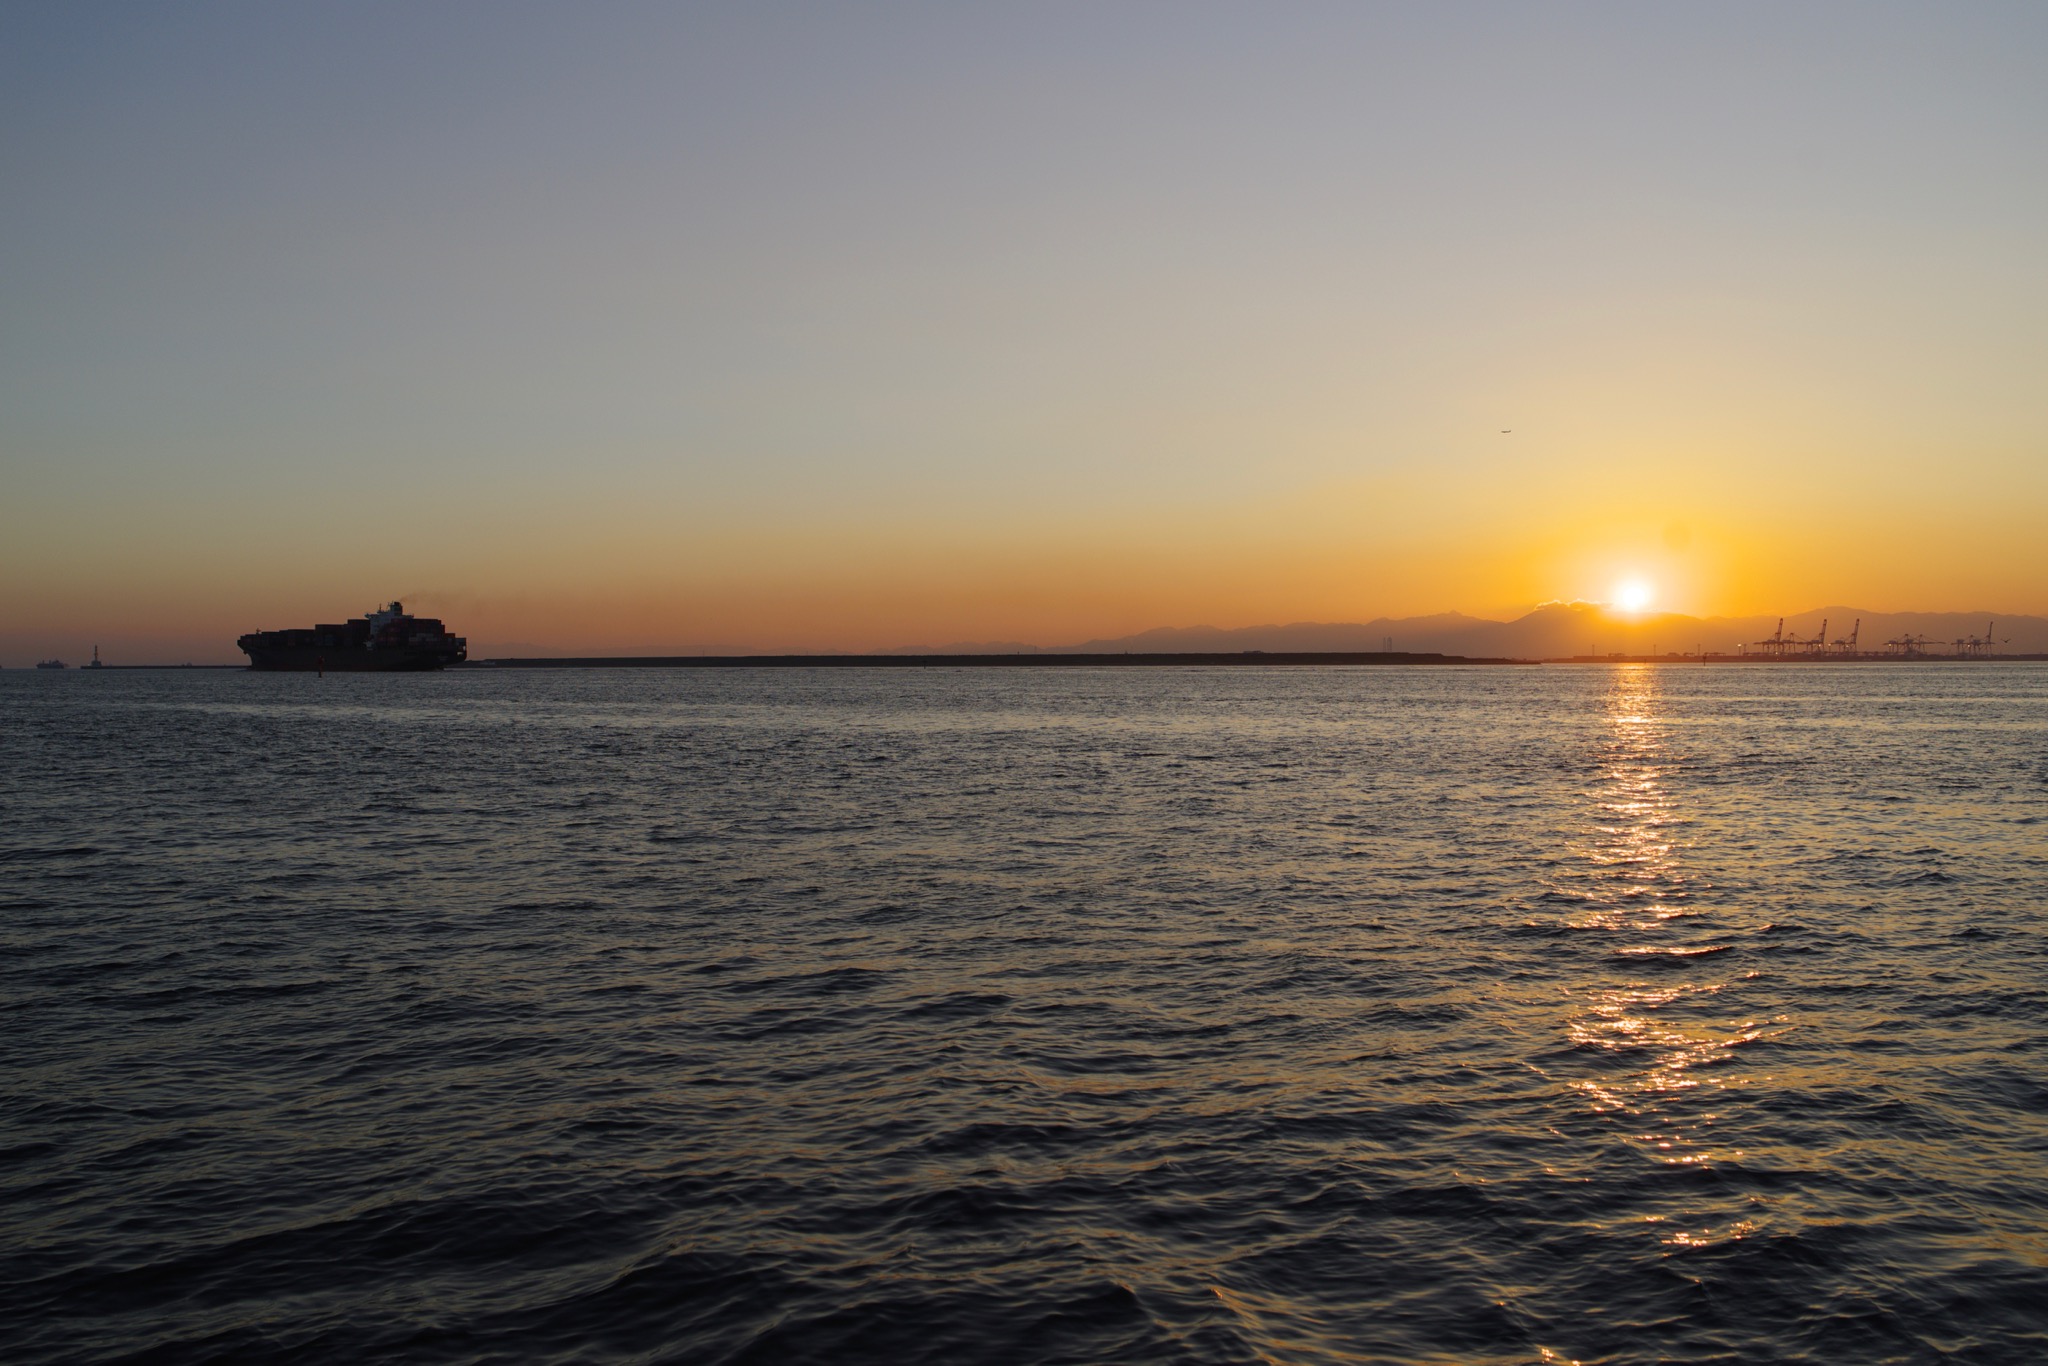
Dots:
(1661, 1053)
(1633, 876)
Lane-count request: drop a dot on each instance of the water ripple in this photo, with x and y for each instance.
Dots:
(1421, 1016)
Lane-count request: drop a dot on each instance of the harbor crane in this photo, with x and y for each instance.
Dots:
(1979, 647)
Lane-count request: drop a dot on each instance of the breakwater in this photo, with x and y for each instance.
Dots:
(1013, 661)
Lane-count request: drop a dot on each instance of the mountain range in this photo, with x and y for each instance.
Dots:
(1553, 631)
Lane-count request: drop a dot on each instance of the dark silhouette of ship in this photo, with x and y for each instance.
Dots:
(381, 641)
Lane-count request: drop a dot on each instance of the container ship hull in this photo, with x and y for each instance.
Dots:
(388, 640)
(316, 659)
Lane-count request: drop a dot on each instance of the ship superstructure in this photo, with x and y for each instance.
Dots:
(387, 639)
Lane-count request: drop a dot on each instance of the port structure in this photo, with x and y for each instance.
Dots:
(1771, 646)
(1909, 646)
(1978, 647)
(1962, 647)
(1778, 645)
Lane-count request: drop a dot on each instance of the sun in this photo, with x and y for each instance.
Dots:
(1633, 595)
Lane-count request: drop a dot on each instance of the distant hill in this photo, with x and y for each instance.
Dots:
(1553, 631)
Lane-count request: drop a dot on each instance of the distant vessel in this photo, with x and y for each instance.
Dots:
(52, 664)
(384, 640)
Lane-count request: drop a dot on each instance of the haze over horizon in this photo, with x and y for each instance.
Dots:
(1548, 631)
(781, 327)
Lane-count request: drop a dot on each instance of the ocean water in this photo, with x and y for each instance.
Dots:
(1630, 1014)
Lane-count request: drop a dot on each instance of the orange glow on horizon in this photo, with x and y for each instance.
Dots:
(592, 572)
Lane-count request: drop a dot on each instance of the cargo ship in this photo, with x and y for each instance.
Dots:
(385, 640)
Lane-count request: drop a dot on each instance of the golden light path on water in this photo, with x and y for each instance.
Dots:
(1667, 1034)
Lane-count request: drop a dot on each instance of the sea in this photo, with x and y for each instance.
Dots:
(1629, 1014)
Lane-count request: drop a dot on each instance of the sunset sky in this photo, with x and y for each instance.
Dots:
(765, 326)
